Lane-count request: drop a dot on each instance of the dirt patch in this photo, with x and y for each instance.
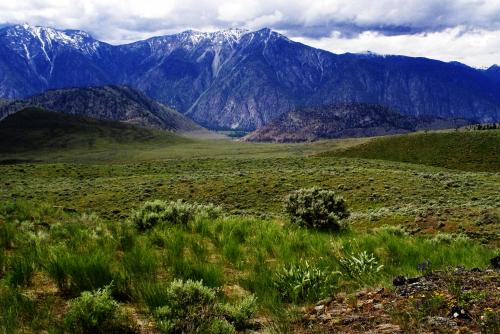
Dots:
(451, 301)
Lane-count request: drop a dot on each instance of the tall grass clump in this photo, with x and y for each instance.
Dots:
(317, 208)
(97, 312)
(157, 212)
(141, 261)
(85, 271)
(16, 309)
(22, 266)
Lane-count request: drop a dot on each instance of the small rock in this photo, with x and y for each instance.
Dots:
(387, 328)
(495, 262)
(459, 313)
(440, 322)
(399, 280)
(319, 308)
(325, 301)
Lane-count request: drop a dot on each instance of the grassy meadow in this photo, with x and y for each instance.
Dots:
(66, 224)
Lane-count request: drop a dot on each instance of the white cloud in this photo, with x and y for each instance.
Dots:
(446, 29)
(478, 47)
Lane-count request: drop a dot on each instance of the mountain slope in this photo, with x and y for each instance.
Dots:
(343, 120)
(36, 129)
(464, 150)
(241, 79)
(108, 103)
(493, 73)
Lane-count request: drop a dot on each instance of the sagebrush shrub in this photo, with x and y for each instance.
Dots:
(238, 314)
(190, 307)
(304, 282)
(316, 207)
(157, 212)
(97, 312)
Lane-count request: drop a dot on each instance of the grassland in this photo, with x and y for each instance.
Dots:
(464, 149)
(74, 203)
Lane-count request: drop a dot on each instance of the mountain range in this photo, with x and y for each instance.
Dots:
(345, 120)
(238, 79)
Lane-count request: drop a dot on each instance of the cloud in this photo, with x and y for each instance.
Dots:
(360, 22)
(476, 47)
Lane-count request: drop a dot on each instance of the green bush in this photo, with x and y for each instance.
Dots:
(97, 312)
(190, 307)
(238, 314)
(316, 207)
(157, 212)
(304, 282)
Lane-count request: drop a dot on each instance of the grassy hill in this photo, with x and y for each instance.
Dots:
(35, 129)
(463, 150)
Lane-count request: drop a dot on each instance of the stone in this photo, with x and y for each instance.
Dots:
(399, 280)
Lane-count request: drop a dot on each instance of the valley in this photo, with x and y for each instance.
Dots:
(80, 201)
(239, 181)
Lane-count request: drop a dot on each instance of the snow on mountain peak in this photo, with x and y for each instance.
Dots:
(28, 36)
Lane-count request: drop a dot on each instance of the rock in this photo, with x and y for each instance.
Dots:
(399, 280)
(440, 322)
(495, 262)
(325, 301)
(319, 308)
(387, 328)
(412, 280)
(459, 313)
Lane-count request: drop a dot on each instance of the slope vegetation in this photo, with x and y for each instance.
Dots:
(36, 129)
(464, 150)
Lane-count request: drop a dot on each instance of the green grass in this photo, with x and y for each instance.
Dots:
(82, 254)
(65, 229)
(464, 150)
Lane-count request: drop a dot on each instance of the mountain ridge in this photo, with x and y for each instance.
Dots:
(344, 120)
(112, 103)
(245, 79)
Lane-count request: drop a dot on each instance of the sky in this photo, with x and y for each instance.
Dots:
(450, 30)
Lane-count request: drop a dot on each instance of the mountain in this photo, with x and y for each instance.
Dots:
(108, 103)
(237, 79)
(493, 73)
(36, 129)
(344, 120)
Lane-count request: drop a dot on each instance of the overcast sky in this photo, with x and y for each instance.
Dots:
(462, 30)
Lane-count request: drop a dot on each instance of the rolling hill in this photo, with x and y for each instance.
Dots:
(344, 120)
(35, 129)
(463, 150)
